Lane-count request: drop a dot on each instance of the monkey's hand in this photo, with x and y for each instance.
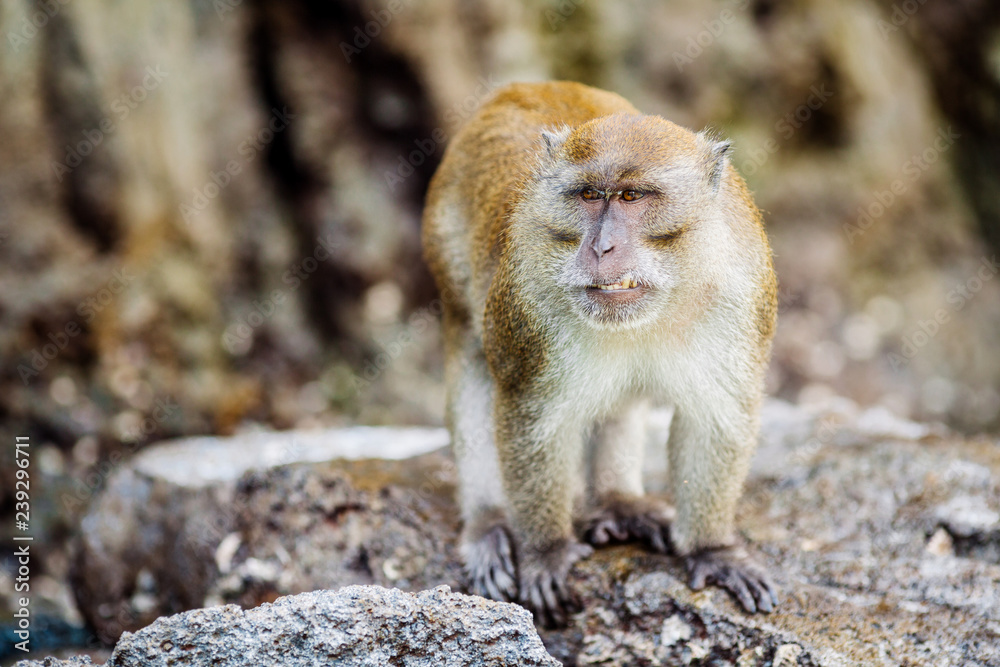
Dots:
(543, 582)
(489, 562)
(733, 569)
(622, 517)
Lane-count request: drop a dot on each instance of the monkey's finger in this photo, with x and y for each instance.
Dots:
(507, 585)
(668, 546)
(770, 591)
(604, 530)
(531, 597)
(507, 562)
(544, 616)
(773, 590)
(764, 590)
(736, 584)
(503, 549)
(568, 601)
(597, 535)
(698, 574)
(656, 537)
(761, 595)
(479, 585)
(500, 585)
(617, 530)
(488, 588)
(553, 603)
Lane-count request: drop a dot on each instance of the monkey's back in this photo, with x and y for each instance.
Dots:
(482, 177)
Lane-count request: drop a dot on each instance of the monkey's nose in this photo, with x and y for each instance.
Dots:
(602, 248)
(611, 235)
(604, 243)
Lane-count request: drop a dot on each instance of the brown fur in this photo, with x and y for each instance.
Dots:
(525, 261)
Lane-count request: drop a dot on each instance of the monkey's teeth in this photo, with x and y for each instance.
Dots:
(628, 283)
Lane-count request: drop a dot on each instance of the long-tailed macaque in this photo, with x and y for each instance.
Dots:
(597, 261)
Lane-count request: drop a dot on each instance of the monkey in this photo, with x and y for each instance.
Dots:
(593, 262)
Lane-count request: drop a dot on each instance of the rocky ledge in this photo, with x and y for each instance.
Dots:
(357, 625)
(884, 536)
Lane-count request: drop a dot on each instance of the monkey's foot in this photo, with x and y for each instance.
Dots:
(489, 561)
(620, 518)
(733, 569)
(543, 582)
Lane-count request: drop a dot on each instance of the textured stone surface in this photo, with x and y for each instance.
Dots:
(158, 541)
(882, 534)
(357, 626)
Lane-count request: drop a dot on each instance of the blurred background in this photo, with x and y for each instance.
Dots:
(210, 210)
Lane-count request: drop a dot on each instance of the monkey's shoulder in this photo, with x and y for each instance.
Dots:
(514, 337)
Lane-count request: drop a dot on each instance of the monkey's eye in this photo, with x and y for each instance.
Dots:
(632, 195)
(592, 194)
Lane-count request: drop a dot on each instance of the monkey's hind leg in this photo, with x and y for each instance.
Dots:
(617, 508)
(485, 543)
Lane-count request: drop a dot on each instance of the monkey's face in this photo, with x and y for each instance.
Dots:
(620, 201)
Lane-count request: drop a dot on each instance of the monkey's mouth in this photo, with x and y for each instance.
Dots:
(624, 291)
(623, 284)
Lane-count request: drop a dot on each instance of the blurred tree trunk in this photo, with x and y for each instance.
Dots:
(228, 163)
(960, 42)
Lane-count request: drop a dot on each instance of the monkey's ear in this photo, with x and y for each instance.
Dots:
(552, 140)
(718, 151)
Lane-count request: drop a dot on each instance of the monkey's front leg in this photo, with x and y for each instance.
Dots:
(710, 454)
(485, 544)
(540, 468)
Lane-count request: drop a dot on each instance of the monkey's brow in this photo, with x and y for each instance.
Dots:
(606, 189)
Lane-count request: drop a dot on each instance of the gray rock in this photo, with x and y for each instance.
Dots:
(357, 626)
(158, 541)
(967, 516)
(787, 655)
(865, 521)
